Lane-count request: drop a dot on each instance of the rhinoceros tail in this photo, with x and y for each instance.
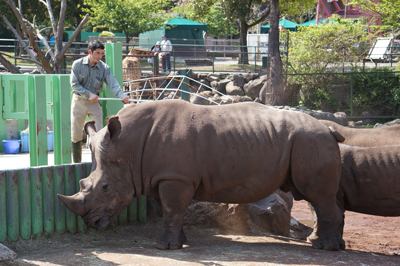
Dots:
(337, 135)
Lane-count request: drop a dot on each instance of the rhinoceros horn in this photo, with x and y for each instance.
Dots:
(74, 203)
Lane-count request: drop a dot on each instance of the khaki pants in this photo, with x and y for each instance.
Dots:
(80, 108)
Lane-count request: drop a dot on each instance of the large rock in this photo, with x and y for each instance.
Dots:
(222, 85)
(251, 76)
(272, 214)
(6, 254)
(391, 123)
(232, 89)
(253, 87)
(228, 99)
(231, 217)
(239, 80)
(338, 117)
(213, 77)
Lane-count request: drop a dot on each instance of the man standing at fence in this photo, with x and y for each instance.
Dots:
(87, 77)
(166, 48)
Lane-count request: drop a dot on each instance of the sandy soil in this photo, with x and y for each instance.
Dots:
(370, 240)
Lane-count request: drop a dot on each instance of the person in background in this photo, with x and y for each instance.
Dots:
(166, 48)
(87, 77)
(156, 48)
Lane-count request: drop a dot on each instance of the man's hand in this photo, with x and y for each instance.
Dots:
(93, 97)
(126, 99)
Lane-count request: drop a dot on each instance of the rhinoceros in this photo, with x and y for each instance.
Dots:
(369, 182)
(238, 153)
(367, 137)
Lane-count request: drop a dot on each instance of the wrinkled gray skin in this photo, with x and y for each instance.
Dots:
(370, 173)
(238, 153)
(367, 137)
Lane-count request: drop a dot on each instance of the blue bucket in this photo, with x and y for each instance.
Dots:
(25, 141)
(11, 146)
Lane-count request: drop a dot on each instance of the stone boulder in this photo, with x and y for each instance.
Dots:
(232, 89)
(272, 214)
(6, 254)
(251, 76)
(213, 77)
(391, 123)
(253, 87)
(230, 217)
(238, 80)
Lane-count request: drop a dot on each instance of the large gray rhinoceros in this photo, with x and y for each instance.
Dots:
(238, 153)
(367, 137)
(369, 183)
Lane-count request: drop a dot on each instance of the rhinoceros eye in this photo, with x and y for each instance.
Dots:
(106, 187)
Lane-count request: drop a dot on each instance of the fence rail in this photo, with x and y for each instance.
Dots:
(29, 206)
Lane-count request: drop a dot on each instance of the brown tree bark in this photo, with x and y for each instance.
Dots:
(243, 56)
(273, 89)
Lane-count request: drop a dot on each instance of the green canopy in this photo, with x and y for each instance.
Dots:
(287, 24)
(178, 31)
(313, 22)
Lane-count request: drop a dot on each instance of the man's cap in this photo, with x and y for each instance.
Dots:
(158, 43)
(164, 35)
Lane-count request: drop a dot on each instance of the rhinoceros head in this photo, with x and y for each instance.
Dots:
(108, 189)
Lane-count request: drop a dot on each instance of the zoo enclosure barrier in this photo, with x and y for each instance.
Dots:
(361, 95)
(210, 56)
(29, 206)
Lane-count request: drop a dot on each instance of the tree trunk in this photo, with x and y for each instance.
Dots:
(9, 66)
(274, 87)
(243, 56)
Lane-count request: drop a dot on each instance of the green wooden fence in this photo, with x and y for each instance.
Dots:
(29, 206)
(28, 203)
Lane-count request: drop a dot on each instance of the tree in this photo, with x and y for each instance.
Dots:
(52, 63)
(218, 25)
(128, 16)
(387, 11)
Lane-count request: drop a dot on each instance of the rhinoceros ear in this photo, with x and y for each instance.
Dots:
(90, 128)
(74, 203)
(113, 127)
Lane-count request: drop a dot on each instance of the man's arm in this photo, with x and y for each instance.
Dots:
(114, 86)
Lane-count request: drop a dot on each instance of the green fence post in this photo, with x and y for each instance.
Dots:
(142, 215)
(3, 121)
(48, 200)
(3, 209)
(69, 191)
(174, 60)
(61, 118)
(37, 201)
(25, 214)
(114, 61)
(59, 206)
(12, 205)
(132, 211)
(80, 174)
(37, 120)
(184, 85)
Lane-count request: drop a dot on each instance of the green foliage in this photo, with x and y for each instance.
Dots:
(217, 22)
(106, 34)
(128, 16)
(386, 10)
(323, 49)
(100, 28)
(377, 91)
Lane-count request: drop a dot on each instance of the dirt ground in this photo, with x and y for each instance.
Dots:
(370, 240)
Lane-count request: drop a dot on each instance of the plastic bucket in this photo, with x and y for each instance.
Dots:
(11, 146)
(25, 141)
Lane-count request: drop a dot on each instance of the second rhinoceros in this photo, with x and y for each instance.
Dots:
(369, 183)
(238, 153)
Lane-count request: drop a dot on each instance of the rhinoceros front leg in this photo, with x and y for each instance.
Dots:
(175, 198)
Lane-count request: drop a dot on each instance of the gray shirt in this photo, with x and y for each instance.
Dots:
(85, 79)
